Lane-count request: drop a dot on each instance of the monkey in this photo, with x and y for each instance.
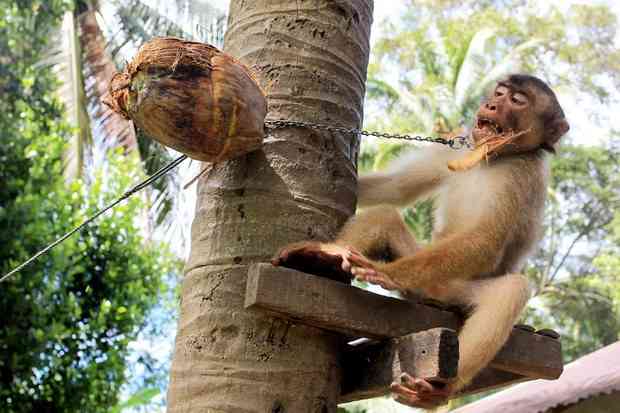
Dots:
(486, 221)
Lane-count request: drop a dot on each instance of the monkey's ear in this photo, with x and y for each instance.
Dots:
(556, 130)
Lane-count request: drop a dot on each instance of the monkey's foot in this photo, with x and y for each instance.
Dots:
(417, 392)
(365, 270)
(327, 260)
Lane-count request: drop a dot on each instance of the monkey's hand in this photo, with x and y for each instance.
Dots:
(416, 392)
(367, 270)
(329, 260)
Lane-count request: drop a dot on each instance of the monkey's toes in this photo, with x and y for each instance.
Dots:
(314, 258)
(416, 392)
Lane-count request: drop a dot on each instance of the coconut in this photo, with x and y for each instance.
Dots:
(191, 97)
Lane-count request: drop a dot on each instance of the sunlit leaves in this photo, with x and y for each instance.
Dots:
(66, 320)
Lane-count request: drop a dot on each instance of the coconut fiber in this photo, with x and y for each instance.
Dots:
(192, 97)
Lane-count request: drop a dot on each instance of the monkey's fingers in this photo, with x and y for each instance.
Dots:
(424, 386)
(291, 251)
(354, 250)
(415, 383)
(360, 260)
(346, 264)
(338, 251)
(316, 258)
(374, 277)
(413, 398)
(364, 272)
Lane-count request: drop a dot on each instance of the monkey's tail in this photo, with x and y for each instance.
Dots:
(497, 304)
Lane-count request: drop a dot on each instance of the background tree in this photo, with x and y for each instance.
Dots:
(78, 141)
(98, 37)
(67, 319)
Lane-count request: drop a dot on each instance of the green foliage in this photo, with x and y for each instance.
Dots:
(66, 320)
(447, 54)
(429, 75)
(572, 270)
(138, 399)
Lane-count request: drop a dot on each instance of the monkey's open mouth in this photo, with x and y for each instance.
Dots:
(490, 138)
(489, 126)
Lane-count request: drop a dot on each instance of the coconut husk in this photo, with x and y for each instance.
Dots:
(483, 150)
(192, 97)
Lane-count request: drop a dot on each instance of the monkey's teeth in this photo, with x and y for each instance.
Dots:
(484, 123)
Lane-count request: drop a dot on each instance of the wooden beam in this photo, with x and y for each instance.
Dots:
(530, 354)
(339, 307)
(490, 379)
(336, 306)
(370, 368)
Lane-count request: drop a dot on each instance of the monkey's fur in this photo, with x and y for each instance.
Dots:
(486, 221)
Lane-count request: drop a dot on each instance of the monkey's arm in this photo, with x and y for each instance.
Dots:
(461, 256)
(414, 176)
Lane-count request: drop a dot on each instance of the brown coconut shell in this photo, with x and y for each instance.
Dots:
(192, 97)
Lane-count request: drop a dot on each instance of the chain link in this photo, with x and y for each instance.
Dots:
(457, 142)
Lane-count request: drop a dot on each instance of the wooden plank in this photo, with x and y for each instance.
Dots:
(531, 355)
(336, 306)
(369, 369)
(357, 313)
(490, 379)
(431, 354)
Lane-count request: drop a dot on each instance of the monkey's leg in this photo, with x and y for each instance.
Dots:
(378, 231)
(496, 305)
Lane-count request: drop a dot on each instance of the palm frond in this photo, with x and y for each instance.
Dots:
(110, 127)
(511, 63)
(137, 21)
(163, 191)
(473, 65)
(65, 60)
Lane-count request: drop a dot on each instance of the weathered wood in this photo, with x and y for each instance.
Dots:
(356, 313)
(432, 354)
(525, 327)
(530, 354)
(369, 372)
(490, 379)
(369, 369)
(336, 306)
(549, 333)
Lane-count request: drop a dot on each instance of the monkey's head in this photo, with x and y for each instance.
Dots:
(525, 107)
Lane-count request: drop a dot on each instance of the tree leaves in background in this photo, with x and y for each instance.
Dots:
(67, 319)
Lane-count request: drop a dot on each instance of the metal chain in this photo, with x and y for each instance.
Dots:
(457, 142)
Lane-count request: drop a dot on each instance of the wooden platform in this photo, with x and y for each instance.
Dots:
(392, 324)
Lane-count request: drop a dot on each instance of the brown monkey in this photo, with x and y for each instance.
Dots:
(486, 221)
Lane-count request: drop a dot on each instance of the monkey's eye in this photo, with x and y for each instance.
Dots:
(500, 91)
(519, 99)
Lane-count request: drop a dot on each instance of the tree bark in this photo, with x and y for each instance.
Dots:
(311, 58)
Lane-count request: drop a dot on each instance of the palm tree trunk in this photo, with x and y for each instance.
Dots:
(312, 58)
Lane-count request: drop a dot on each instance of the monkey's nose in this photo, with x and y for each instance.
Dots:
(490, 106)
